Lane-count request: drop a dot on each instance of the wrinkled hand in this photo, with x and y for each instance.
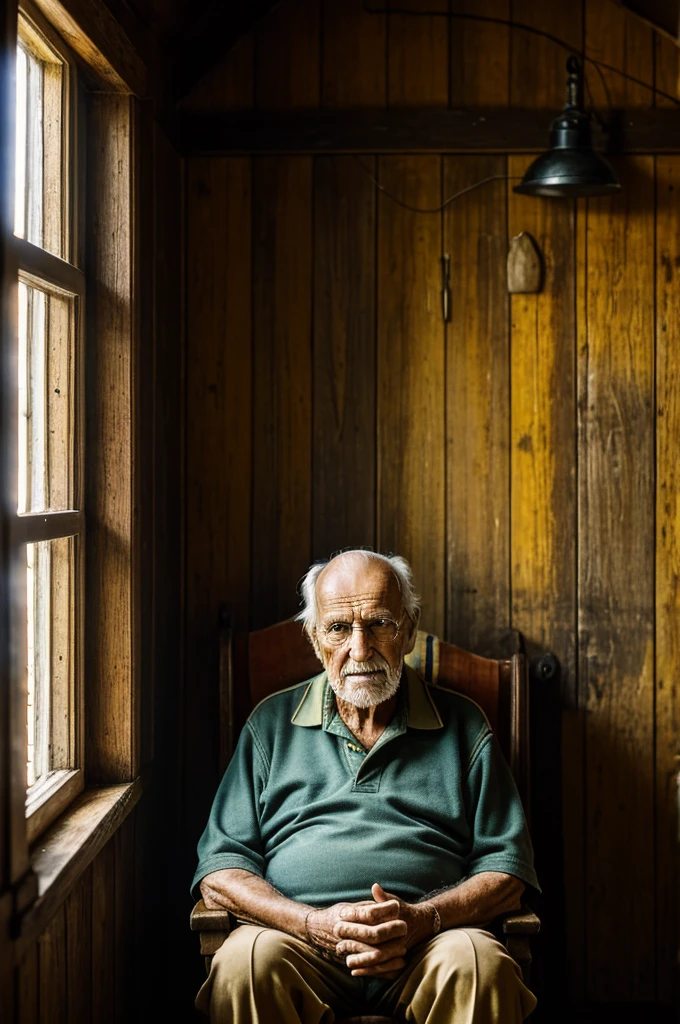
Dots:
(371, 937)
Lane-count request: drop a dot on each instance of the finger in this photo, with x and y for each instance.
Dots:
(379, 894)
(365, 956)
(384, 969)
(372, 934)
(371, 913)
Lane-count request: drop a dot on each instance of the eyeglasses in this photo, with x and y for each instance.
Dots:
(380, 631)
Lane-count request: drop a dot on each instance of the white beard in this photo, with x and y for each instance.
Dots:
(366, 695)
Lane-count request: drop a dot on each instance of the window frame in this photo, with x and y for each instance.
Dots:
(34, 878)
(39, 267)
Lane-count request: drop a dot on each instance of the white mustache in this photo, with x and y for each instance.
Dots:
(354, 668)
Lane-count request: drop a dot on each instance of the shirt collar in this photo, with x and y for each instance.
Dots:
(421, 714)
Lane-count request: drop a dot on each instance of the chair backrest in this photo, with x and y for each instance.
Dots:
(280, 656)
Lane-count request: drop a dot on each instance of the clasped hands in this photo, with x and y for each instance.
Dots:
(372, 937)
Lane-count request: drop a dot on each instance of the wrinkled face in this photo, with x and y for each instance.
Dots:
(359, 610)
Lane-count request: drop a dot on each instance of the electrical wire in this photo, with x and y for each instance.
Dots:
(442, 206)
(598, 65)
(488, 19)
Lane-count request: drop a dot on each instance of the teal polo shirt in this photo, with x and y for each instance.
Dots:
(305, 806)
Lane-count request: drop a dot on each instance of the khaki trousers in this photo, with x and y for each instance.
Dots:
(462, 976)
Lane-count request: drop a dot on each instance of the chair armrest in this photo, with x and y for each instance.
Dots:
(521, 922)
(204, 920)
(213, 927)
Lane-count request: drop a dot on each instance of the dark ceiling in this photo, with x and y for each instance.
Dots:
(196, 34)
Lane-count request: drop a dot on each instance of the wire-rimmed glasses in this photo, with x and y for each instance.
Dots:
(380, 631)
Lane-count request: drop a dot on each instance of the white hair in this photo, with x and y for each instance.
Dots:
(399, 566)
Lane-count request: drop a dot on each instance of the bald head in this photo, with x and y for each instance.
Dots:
(349, 564)
(353, 576)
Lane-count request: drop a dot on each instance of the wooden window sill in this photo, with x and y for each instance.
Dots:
(62, 853)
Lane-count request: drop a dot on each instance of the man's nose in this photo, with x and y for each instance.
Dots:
(360, 646)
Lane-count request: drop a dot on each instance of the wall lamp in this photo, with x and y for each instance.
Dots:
(570, 167)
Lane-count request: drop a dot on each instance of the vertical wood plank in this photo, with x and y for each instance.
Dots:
(165, 817)
(111, 747)
(477, 403)
(287, 70)
(353, 39)
(616, 566)
(218, 450)
(666, 70)
(343, 455)
(52, 971)
(104, 936)
(411, 435)
(282, 267)
(78, 951)
(28, 987)
(418, 56)
(617, 37)
(480, 54)
(667, 716)
(126, 910)
(538, 65)
(543, 516)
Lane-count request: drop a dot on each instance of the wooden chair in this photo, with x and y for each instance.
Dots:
(279, 656)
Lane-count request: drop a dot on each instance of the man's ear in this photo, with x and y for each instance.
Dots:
(311, 636)
(411, 634)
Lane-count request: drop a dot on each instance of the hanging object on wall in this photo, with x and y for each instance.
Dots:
(525, 264)
(570, 167)
(446, 287)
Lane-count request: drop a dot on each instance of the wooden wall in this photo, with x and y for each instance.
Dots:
(110, 934)
(522, 456)
(82, 967)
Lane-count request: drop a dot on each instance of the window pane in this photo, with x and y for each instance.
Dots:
(50, 574)
(29, 161)
(46, 410)
(40, 191)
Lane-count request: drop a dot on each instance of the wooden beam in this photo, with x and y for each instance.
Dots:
(647, 130)
(199, 48)
(663, 15)
(94, 34)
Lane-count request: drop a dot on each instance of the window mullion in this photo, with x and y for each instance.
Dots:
(46, 267)
(39, 526)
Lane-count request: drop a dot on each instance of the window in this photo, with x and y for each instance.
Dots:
(50, 521)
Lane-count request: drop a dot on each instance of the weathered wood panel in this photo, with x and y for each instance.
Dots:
(218, 449)
(124, 894)
(27, 987)
(353, 39)
(79, 951)
(287, 56)
(343, 453)
(667, 634)
(104, 936)
(616, 593)
(410, 371)
(477, 406)
(52, 971)
(539, 76)
(614, 36)
(480, 54)
(109, 624)
(282, 348)
(418, 56)
(543, 516)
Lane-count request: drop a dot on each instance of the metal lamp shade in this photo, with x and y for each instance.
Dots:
(569, 172)
(570, 167)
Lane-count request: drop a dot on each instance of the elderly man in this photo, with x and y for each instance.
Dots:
(365, 833)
